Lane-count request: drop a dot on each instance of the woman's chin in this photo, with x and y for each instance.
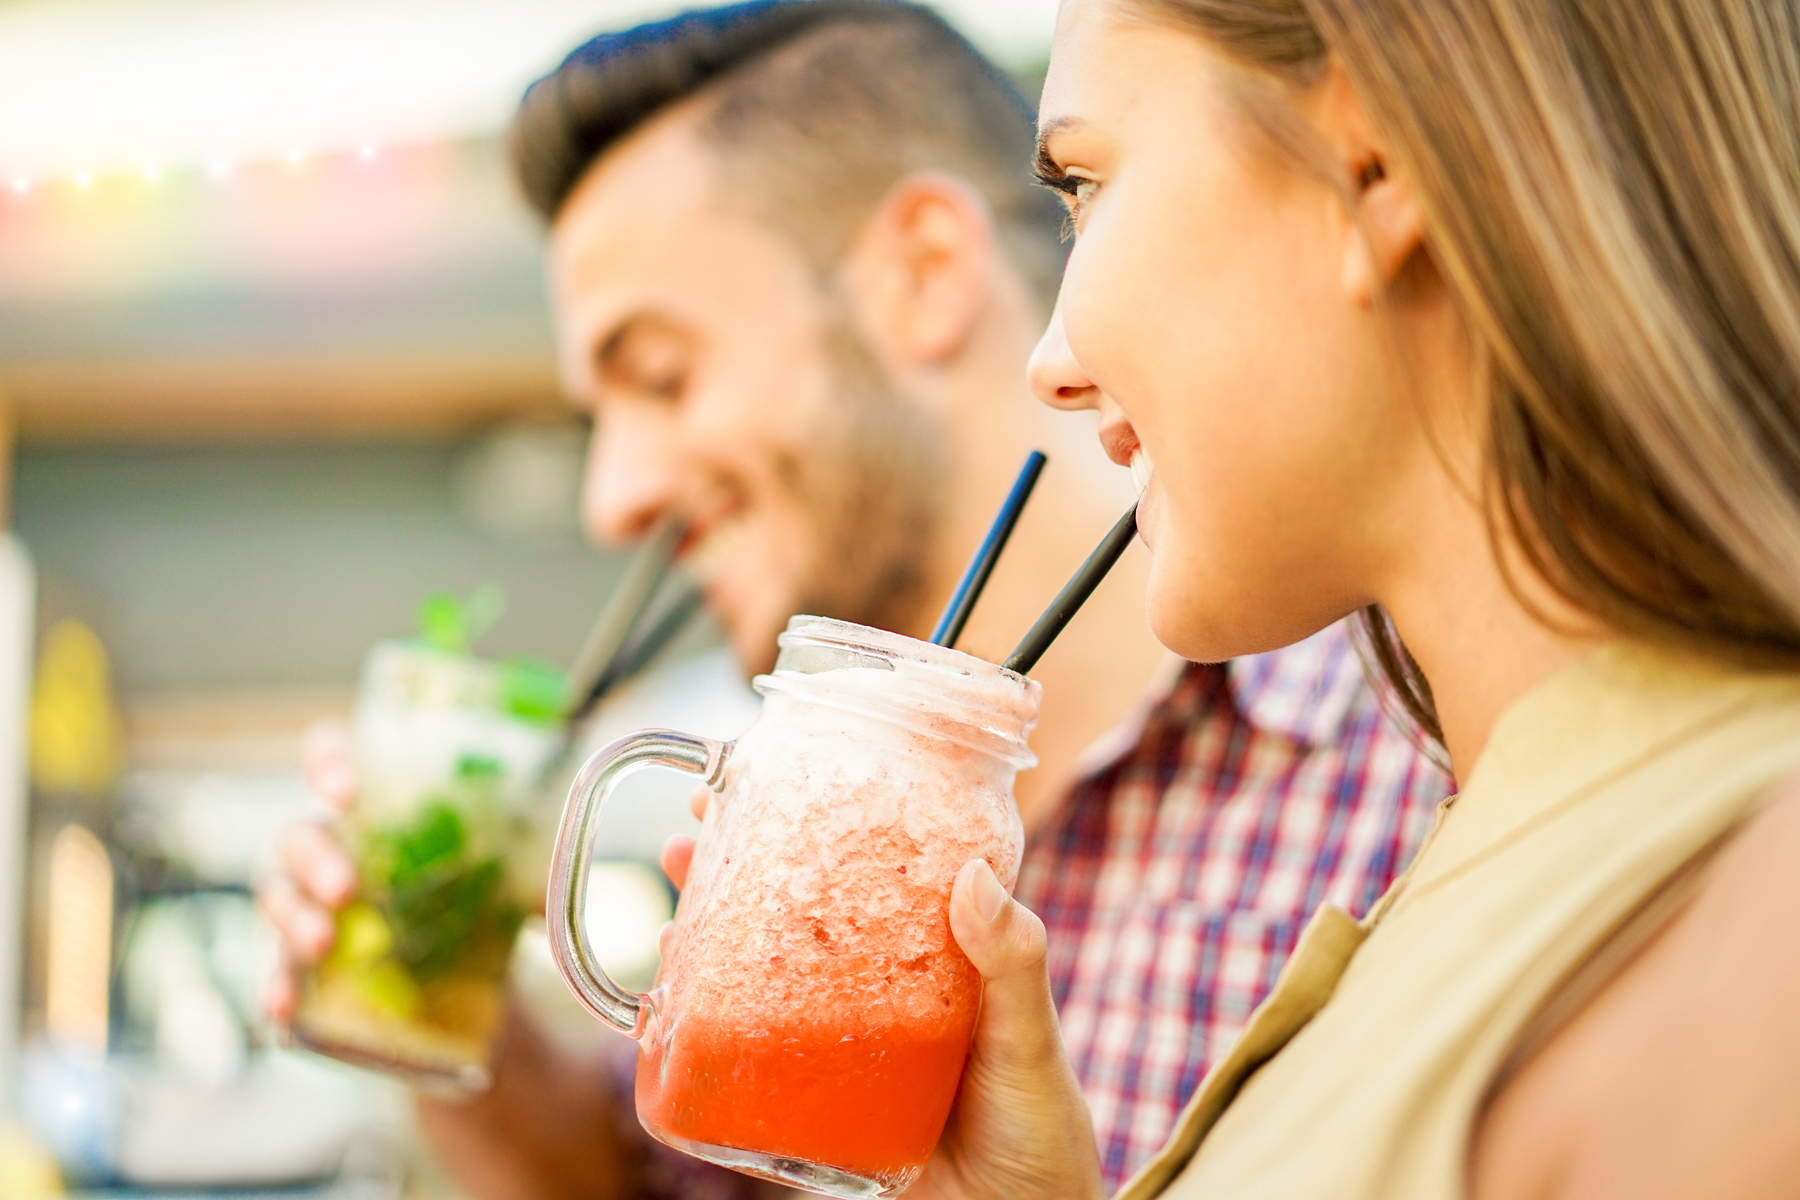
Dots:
(1204, 624)
(1182, 623)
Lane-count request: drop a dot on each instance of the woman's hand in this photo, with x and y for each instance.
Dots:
(1020, 1129)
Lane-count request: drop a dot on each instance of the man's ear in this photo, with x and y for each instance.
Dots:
(1385, 226)
(922, 269)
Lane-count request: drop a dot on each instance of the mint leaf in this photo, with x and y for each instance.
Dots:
(446, 915)
(435, 840)
(478, 766)
(441, 623)
(453, 625)
(532, 690)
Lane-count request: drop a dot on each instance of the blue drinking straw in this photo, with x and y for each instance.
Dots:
(962, 601)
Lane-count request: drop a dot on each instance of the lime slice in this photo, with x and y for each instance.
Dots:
(362, 936)
(387, 988)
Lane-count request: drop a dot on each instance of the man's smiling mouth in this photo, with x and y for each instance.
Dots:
(713, 545)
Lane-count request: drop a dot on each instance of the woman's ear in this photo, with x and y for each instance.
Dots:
(1384, 226)
(921, 270)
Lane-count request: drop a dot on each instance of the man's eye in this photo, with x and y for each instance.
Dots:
(663, 380)
(648, 360)
(650, 377)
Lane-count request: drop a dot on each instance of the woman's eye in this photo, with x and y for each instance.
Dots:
(1078, 193)
(1083, 194)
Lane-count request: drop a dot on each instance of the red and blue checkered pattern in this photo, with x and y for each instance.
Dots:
(1176, 875)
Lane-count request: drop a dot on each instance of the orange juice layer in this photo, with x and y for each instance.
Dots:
(869, 1102)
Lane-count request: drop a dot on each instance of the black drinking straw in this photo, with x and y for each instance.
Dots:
(1074, 594)
(649, 639)
(974, 580)
(596, 666)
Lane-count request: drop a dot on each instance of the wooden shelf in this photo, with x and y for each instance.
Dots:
(283, 396)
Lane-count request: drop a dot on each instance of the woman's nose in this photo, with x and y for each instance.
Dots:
(1056, 378)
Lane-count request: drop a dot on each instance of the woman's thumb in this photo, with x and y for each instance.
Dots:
(1005, 941)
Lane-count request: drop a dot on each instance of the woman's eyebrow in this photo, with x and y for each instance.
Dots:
(1049, 127)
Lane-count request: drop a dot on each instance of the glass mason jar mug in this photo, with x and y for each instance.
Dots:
(812, 1015)
(450, 750)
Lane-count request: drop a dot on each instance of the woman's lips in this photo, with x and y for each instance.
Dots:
(1117, 438)
(1144, 522)
(1142, 472)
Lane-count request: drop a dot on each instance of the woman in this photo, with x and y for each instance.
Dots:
(1482, 316)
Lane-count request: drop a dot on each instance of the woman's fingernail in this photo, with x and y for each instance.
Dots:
(986, 891)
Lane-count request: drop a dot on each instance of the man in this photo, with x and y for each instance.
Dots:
(797, 270)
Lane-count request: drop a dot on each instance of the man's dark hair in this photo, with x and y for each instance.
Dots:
(819, 107)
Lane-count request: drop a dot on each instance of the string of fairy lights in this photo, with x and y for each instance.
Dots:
(218, 169)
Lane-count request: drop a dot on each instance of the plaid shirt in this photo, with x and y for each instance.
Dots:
(1175, 875)
(1178, 871)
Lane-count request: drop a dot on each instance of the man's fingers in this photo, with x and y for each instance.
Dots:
(1005, 940)
(281, 996)
(318, 865)
(698, 801)
(320, 876)
(327, 755)
(306, 930)
(677, 857)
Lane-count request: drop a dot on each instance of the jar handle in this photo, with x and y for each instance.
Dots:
(599, 775)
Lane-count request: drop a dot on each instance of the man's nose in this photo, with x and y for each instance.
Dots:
(1056, 378)
(630, 483)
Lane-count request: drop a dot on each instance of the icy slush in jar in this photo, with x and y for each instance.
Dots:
(811, 1019)
(450, 750)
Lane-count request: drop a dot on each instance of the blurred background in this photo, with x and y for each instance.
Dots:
(275, 364)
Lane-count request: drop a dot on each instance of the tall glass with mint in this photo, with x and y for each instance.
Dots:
(450, 752)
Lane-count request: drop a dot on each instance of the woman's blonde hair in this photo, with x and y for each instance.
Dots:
(1612, 194)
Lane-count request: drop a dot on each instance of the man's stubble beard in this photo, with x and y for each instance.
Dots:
(875, 486)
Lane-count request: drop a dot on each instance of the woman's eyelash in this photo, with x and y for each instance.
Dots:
(1058, 180)
(1052, 176)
